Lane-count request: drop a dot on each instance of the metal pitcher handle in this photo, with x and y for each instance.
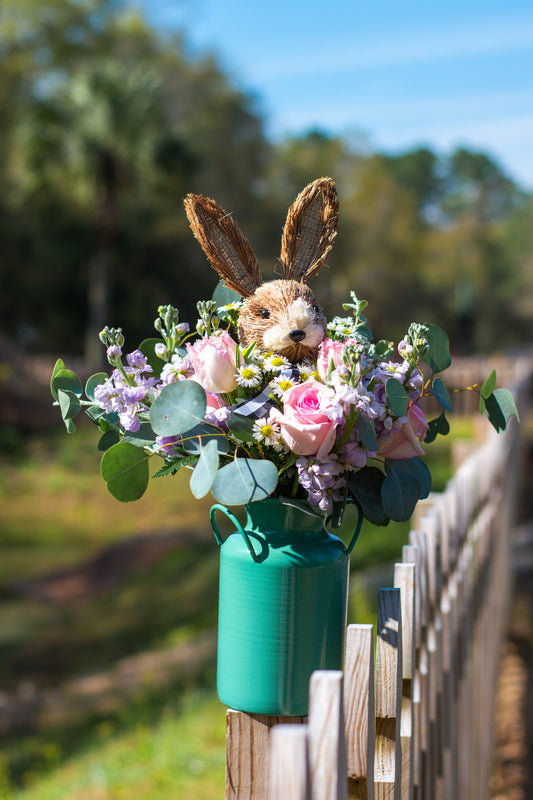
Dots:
(240, 529)
(357, 531)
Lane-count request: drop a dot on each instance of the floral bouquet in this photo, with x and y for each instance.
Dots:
(345, 426)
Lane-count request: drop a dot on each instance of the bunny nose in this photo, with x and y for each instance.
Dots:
(297, 335)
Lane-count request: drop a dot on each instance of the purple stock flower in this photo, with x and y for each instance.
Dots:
(322, 478)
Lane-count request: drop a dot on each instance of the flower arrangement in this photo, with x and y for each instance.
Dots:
(346, 426)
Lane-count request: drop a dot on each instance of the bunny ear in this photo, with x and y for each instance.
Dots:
(223, 242)
(310, 229)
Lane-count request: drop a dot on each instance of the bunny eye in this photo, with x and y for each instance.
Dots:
(265, 314)
(316, 308)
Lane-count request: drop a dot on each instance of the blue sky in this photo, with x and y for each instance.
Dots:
(392, 74)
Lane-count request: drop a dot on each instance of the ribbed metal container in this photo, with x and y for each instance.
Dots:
(282, 607)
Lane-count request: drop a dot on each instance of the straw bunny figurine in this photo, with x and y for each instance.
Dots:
(281, 316)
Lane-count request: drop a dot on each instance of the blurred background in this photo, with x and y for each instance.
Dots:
(110, 113)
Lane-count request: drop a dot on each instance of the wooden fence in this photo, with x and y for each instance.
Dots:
(411, 716)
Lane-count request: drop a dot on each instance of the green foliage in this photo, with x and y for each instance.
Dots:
(206, 470)
(124, 468)
(244, 480)
(438, 354)
(397, 397)
(179, 407)
(438, 425)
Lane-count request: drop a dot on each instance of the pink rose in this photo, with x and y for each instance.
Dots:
(307, 427)
(405, 443)
(330, 350)
(213, 361)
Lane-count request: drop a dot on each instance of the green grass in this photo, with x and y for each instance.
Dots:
(57, 512)
(153, 751)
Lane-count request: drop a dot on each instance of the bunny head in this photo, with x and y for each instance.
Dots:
(281, 316)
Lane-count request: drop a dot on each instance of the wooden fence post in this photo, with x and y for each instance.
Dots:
(289, 763)
(359, 711)
(411, 554)
(247, 753)
(327, 747)
(404, 580)
(387, 764)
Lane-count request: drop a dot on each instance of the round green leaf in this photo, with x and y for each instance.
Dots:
(205, 471)
(179, 407)
(93, 382)
(124, 468)
(441, 393)
(243, 481)
(147, 348)
(438, 355)
(367, 431)
(223, 295)
(400, 493)
(198, 436)
(68, 403)
(397, 397)
(414, 467)
(66, 380)
(107, 440)
(364, 486)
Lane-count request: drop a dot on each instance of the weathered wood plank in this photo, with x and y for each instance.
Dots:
(247, 753)
(387, 763)
(289, 763)
(404, 580)
(327, 747)
(359, 711)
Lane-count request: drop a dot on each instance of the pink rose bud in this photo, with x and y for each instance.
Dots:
(330, 350)
(405, 443)
(213, 361)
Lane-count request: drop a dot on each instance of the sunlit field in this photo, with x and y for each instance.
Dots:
(162, 739)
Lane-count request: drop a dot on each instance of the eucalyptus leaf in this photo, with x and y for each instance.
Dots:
(367, 432)
(223, 295)
(400, 493)
(441, 393)
(435, 426)
(414, 467)
(489, 385)
(500, 407)
(66, 380)
(144, 437)
(364, 486)
(397, 397)
(205, 471)
(244, 480)
(69, 404)
(241, 426)
(437, 356)
(124, 468)
(198, 436)
(178, 408)
(107, 440)
(93, 382)
(147, 348)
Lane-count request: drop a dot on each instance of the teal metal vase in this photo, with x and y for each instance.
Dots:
(282, 607)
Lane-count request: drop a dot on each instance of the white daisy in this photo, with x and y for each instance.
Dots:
(274, 362)
(267, 432)
(280, 385)
(249, 375)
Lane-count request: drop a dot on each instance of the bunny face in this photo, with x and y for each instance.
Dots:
(280, 316)
(283, 317)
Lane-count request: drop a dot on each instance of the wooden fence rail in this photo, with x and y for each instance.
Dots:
(411, 716)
